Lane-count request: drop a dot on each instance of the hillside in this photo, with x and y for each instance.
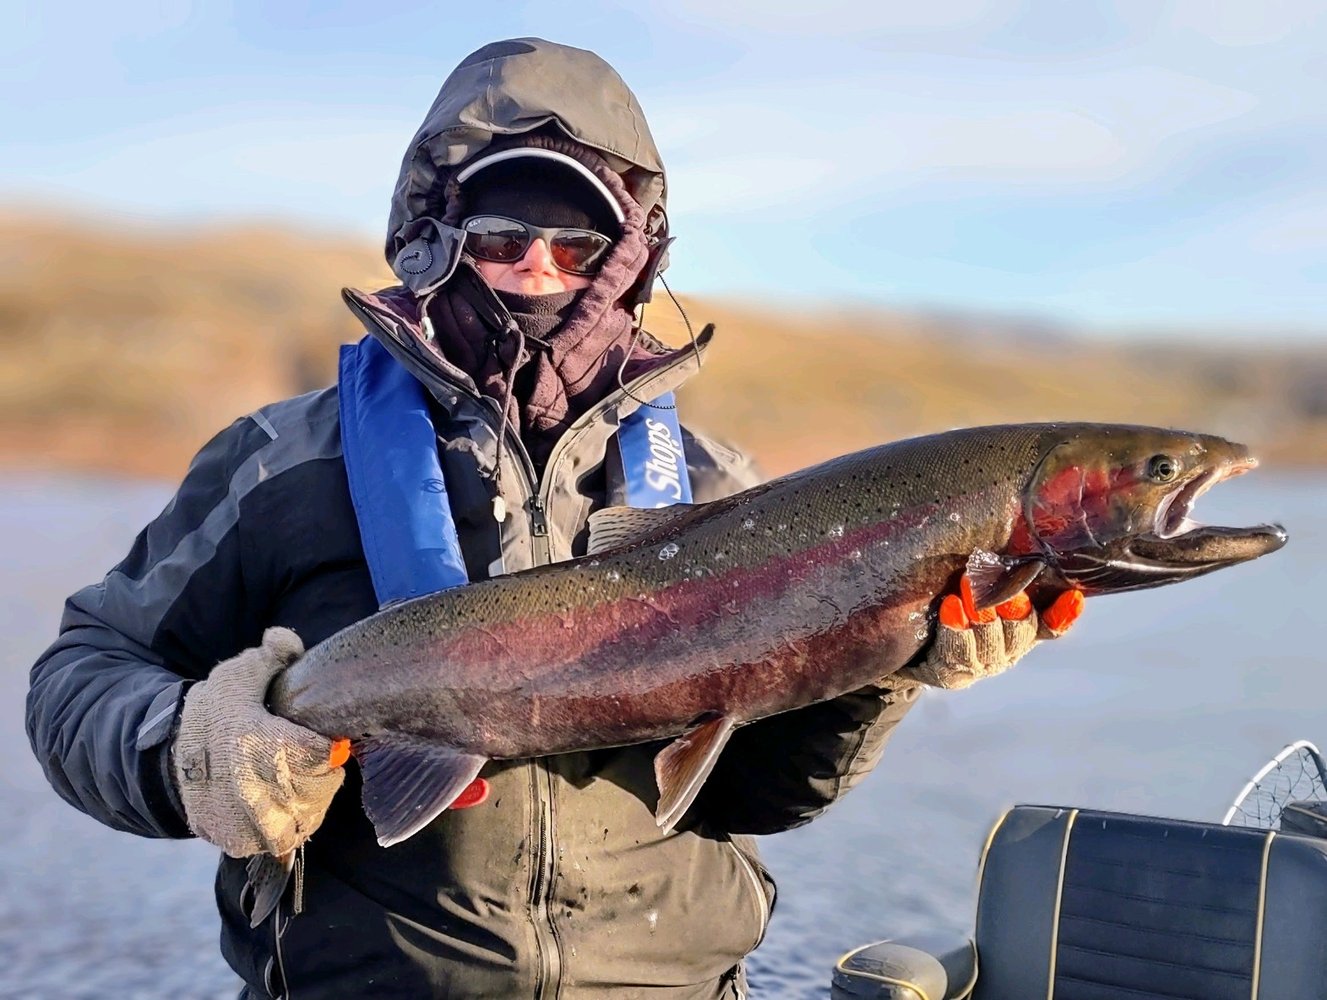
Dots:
(126, 346)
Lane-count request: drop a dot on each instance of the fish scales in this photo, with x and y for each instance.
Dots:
(786, 594)
(763, 584)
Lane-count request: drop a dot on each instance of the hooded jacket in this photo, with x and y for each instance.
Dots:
(560, 884)
(510, 88)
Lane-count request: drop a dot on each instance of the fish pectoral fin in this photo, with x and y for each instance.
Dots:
(995, 578)
(409, 781)
(615, 526)
(682, 767)
(267, 878)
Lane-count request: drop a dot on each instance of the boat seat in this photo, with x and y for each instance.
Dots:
(1080, 904)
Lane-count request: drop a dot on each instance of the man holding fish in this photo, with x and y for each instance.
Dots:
(505, 393)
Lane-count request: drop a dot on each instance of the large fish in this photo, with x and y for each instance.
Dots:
(691, 620)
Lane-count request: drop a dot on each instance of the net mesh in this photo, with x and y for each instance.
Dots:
(1295, 774)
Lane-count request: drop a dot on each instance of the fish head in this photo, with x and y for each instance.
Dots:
(1109, 507)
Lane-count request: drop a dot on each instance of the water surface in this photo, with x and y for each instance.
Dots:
(1160, 702)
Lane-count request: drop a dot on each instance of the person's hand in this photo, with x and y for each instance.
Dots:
(252, 782)
(971, 644)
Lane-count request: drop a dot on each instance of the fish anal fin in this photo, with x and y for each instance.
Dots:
(616, 526)
(680, 769)
(409, 781)
(267, 879)
(995, 578)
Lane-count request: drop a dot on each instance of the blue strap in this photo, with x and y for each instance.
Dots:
(652, 456)
(396, 485)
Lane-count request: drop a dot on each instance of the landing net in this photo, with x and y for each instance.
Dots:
(1295, 774)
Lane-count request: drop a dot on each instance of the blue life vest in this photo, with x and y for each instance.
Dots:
(390, 450)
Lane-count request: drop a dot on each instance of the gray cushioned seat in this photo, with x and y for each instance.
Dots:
(1080, 904)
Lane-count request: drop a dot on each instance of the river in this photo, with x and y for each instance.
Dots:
(1160, 702)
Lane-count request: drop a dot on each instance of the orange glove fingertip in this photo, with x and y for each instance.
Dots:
(952, 614)
(1066, 609)
(1018, 608)
(339, 754)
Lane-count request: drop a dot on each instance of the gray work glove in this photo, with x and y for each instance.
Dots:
(971, 644)
(251, 782)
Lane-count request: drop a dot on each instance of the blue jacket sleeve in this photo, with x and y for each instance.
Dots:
(105, 696)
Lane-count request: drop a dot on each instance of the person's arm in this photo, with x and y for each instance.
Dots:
(106, 696)
(783, 771)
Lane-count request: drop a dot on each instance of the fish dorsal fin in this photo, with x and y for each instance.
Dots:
(616, 526)
(995, 578)
(682, 767)
(409, 781)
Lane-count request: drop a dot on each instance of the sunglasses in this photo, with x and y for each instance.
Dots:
(505, 241)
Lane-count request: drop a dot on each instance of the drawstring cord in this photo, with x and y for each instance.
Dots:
(511, 327)
(635, 339)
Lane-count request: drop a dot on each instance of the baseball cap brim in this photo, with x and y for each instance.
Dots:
(523, 152)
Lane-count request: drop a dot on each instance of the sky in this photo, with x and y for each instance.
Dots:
(1118, 166)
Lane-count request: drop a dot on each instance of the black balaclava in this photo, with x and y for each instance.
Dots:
(542, 194)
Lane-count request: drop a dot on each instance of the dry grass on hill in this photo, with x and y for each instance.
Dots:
(125, 347)
(802, 388)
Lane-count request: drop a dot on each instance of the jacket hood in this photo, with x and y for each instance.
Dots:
(505, 89)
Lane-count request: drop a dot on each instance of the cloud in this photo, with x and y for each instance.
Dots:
(1231, 23)
(1258, 267)
(750, 183)
(287, 159)
(1294, 227)
(831, 18)
(882, 135)
(1239, 23)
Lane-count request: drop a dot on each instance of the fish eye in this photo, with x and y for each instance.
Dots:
(1162, 468)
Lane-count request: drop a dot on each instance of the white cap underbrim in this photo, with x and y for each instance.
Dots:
(519, 152)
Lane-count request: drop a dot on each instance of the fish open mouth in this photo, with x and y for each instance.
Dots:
(1116, 525)
(1176, 547)
(1178, 541)
(1172, 516)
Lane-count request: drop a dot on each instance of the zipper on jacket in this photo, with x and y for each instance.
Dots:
(538, 522)
(548, 966)
(549, 969)
(549, 972)
(544, 488)
(758, 892)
